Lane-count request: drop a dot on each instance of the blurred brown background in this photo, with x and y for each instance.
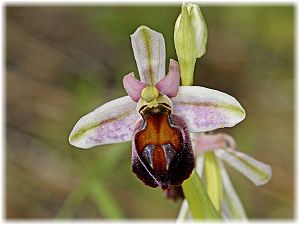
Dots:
(62, 62)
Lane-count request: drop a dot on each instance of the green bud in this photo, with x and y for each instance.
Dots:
(190, 37)
(199, 27)
(185, 46)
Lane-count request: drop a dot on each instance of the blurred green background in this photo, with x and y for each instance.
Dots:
(62, 62)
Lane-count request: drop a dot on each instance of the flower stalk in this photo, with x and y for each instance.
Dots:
(213, 179)
(199, 202)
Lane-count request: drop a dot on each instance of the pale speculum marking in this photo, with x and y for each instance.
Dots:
(148, 154)
(169, 152)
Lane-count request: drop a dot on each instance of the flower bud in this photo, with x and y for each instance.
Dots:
(199, 27)
(190, 37)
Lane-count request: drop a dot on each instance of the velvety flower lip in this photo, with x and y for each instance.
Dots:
(202, 109)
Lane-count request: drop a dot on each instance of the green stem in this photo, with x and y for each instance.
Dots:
(213, 179)
(105, 201)
(199, 202)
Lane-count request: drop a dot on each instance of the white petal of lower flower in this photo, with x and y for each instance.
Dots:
(183, 212)
(231, 204)
(112, 122)
(199, 165)
(259, 173)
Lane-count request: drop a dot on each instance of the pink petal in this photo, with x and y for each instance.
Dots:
(211, 142)
(133, 86)
(170, 84)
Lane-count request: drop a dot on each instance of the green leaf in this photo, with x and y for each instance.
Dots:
(72, 203)
(185, 46)
(213, 179)
(105, 202)
(97, 169)
(199, 202)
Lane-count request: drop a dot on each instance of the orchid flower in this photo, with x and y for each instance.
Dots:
(157, 115)
(223, 147)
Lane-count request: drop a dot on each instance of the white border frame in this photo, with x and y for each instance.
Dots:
(4, 3)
